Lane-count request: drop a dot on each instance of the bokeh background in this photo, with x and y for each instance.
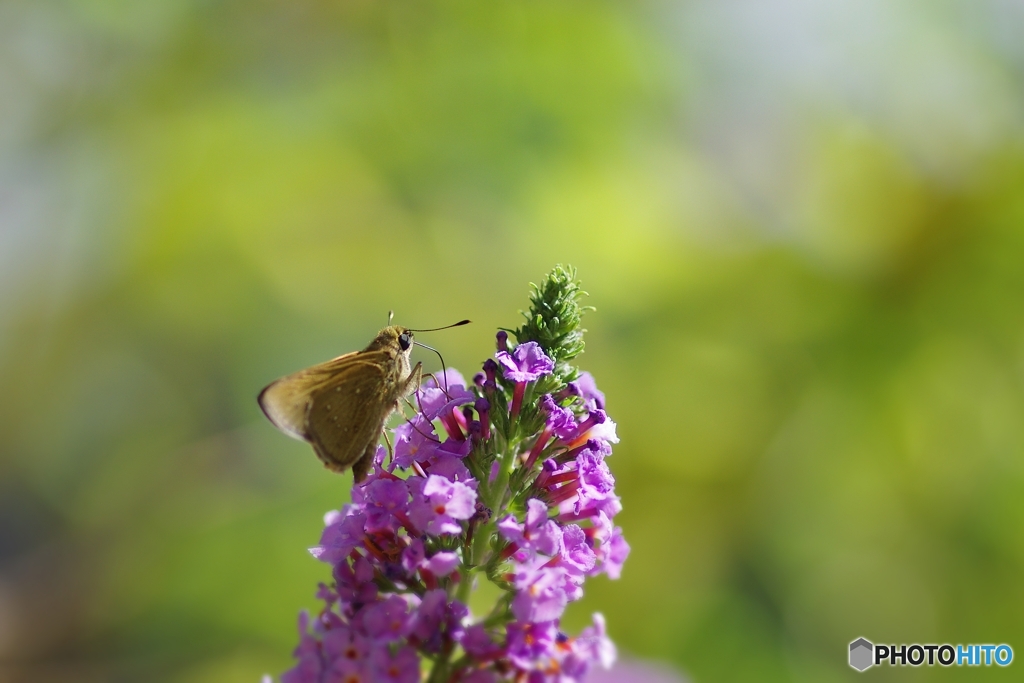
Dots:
(801, 223)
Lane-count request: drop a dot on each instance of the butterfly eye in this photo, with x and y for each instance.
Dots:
(405, 340)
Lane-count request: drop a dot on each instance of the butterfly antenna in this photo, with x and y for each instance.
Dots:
(391, 316)
(435, 329)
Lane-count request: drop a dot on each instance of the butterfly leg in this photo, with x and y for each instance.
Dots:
(412, 382)
(391, 449)
(443, 386)
(418, 408)
(409, 404)
(361, 467)
(412, 385)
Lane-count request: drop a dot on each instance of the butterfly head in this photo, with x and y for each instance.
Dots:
(393, 337)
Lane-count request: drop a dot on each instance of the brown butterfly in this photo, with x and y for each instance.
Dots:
(341, 406)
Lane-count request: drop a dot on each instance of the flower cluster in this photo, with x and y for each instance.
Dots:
(503, 479)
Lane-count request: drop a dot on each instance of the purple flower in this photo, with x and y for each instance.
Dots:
(413, 543)
(531, 645)
(592, 646)
(480, 676)
(560, 421)
(596, 446)
(610, 505)
(310, 664)
(596, 483)
(340, 537)
(537, 533)
(415, 441)
(383, 500)
(594, 473)
(483, 408)
(604, 432)
(614, 554)
(388, 620)
(479, 644)
(414, 554)
(434, 400)
(442, 380)
(458, 447)
(525, 364)
(443, 503)
(595, 642)
(592, 397)
(540, 592)
(343, 671)
(597, 426)
(346, 648)
(576, 554)
(612, 549)
(355, 581)
(326, 594)
(401, 667)
(455, 620)
(429, 617)
(441, 564)
(490, 369)
(452, 468)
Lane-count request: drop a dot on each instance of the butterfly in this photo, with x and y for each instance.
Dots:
(341, 406)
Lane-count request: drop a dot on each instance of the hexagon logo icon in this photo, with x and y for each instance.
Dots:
(861, 654)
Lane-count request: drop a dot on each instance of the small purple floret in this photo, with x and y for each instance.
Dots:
(443, 503)
(560, 421)
(592, 396)
(525, 364)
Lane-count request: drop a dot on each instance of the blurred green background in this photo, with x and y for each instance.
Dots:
(801, 223)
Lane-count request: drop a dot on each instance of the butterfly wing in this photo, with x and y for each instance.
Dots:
(286, 401)
(345, 417)
(339, 406)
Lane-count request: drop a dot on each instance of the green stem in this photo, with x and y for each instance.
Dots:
(439, 674)
(480, 543)
(496, 491)
(465, 586)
